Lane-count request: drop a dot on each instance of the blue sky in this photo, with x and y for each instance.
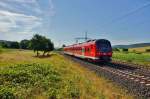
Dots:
(120, 21)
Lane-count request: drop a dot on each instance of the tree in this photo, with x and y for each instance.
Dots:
(24, 44)
(47, 46)
(63, 45)
(41, 43)
(14, 45)
(125, 49)
(116, 49)
(4, 45)
(147, 50)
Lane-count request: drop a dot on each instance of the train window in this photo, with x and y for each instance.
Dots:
(88, 49)
(80, 49)
(83, 49)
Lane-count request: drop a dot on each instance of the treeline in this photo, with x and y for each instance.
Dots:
(37, 43)
(127, 50)
(9, 44)
(121, 49)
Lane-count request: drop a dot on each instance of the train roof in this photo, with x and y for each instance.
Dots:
(88, 42)
(97, 40)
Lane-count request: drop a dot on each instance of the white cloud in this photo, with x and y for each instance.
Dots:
(10, 21)
(23, 1)
(22, 17)
(21, 6)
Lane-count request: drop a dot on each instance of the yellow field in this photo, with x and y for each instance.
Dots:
(139, 49)
(52, 77)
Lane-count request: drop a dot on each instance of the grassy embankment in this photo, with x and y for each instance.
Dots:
(134, 55)
(1, 50)
(24, 76)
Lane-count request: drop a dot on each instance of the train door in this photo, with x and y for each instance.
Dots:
(83, 51)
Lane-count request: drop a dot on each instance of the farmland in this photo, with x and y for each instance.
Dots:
(133, 57)
(139, 49)
(25, 76)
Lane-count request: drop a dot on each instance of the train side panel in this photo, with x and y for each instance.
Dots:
(93, 50)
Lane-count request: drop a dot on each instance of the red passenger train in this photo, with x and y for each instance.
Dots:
(96, 50)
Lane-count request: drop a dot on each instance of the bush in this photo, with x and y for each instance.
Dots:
(138, 52)
(10, 44)
(24, 44)
(6, 94)
(41, 43)
(116, 49)
(125, 50)
(4, 44)
(26, 76)
(147, 50)
(1, 49)
(14, 45)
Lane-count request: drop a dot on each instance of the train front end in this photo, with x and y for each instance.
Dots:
(103, 50)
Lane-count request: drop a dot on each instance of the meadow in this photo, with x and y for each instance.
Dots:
(141, 58)
(24, 76)
(1, 50)
(139, 49)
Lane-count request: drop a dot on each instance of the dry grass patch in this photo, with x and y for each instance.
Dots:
(139, 49)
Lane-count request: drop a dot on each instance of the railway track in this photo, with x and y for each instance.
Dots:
(135, 80)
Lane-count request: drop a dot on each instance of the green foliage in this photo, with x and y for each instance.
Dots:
(125, 50)
(4, 44)
(0, 49)
(10, 44)
(116, 49)
(23, 76)
(59, 49)
(27, 76)
(41, 43)
(24, 44)
(6, 94)
(147, 50)
(139, 58)
(63, 45)
(37, 43)
(14, 45)
(138, 52)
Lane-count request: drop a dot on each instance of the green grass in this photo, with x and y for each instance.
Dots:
(138, 58)
(4, 50)
(1, 50)
(23, 76)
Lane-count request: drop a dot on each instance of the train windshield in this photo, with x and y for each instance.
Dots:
(103, 46)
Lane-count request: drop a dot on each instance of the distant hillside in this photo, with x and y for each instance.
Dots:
(6, 42)
(9, 44)
(132, 45)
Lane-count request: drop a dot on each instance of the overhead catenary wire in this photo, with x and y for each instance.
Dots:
(129, 13)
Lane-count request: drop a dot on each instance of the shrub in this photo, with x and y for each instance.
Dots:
(14, 45)
(138, 52)
(41, 43)
(1, 49)
(24, 44)
(125, 50)
(116, 49)
(6, 94)
(147, 50)
(4, 44)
